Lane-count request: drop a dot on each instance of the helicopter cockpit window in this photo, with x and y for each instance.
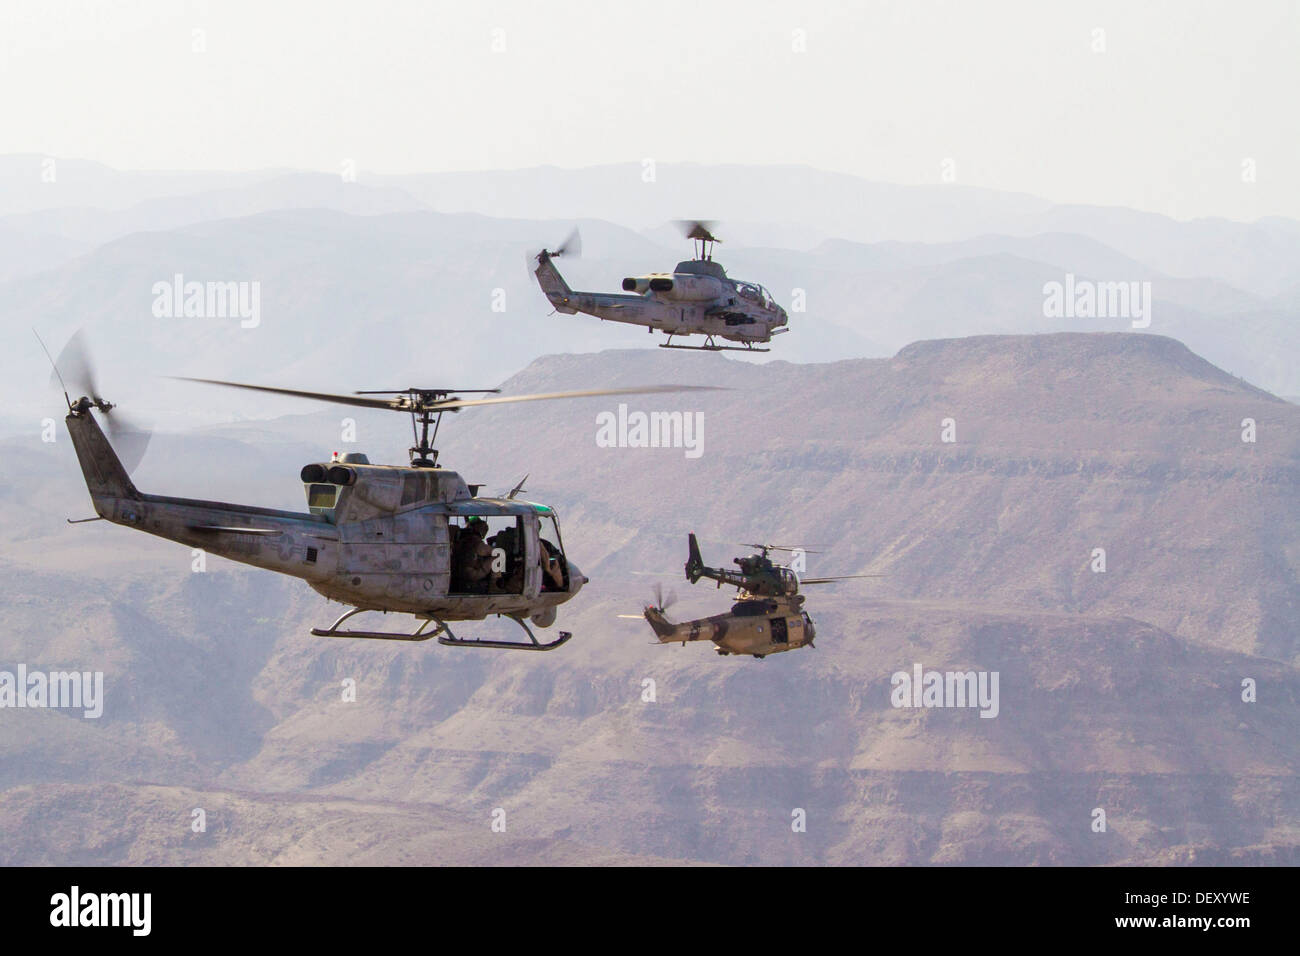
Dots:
(487, 555)
(789, 582)
(555, 570)
(321, 499)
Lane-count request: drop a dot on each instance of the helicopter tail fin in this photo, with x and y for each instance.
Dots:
(664, 629)
(694, 563)
(553, 285)
(105, 476)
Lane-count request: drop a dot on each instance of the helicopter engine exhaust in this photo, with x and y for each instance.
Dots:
(341, 476)
(636, 284)
(661, 284)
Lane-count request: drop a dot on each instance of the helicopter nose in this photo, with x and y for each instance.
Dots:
(576, 579)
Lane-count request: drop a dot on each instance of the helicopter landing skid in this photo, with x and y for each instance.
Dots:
(710, 346)
(451, 640)
(418, 635)
(443, 633)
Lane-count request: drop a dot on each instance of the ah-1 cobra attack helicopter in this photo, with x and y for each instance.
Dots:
(696, 298)
(767, 616)
(405, 539)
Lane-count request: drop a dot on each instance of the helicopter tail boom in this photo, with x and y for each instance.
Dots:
(296, 544)
(704, 629)
(611, 307)
(553, 285)
(103, 470)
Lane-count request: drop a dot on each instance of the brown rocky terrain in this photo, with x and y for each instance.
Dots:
(1119, 690)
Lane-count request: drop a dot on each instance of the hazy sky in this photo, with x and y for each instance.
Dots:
(1017, 95)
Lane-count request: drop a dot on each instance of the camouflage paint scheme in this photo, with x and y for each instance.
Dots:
(371, 552)
(767, 616)
(752, 626)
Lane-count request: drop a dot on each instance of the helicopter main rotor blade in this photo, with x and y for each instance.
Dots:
(588, 393)
(842, 577)
(698, 229)
(404, 404)
(779, 547)
(358, 400)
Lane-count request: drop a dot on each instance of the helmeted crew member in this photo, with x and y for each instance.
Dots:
(549, 559)
(472, 559)
(511, 580)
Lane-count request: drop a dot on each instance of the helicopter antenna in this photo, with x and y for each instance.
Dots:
(53, 366)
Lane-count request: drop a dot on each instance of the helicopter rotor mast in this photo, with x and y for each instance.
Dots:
(700, 233)
(765, 548)
(422, 404)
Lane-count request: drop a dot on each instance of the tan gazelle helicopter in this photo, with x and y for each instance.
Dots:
(696, 298)
(404, 539)
(767, 616)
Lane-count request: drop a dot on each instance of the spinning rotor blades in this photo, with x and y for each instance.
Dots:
(699, 230)
(432, 400)
(74, 373)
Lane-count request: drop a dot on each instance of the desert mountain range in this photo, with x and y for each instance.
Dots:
(1120, 690)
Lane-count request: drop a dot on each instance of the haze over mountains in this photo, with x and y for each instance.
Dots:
(431, 264)
(1120, 690)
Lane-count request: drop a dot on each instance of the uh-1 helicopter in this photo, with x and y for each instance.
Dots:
(767, 615)
(696, 298)
(404, 539)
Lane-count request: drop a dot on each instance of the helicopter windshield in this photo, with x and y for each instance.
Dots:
(755, 292)
(555, 576)
(789, 581)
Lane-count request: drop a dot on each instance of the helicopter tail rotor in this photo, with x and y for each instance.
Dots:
(572, 246)
(129, 439)
(661, 603)
(653, 613)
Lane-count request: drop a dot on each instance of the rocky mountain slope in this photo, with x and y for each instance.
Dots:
(1119, 690)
